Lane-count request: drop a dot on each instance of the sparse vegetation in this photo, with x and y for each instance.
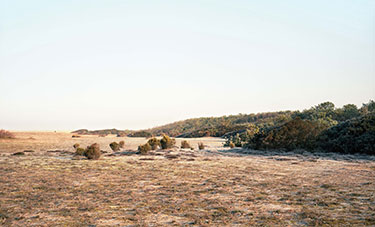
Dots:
(167, 142)
(93, 152)
(114, 146)
(4, 134)
(185, 144)
(201, 146)
(154, 143)
(144, 149)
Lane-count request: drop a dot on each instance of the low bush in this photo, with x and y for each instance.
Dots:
(93, 152)
(144, 149)
(167, 142)
(185, 144)
(154, 143)
(201, 146)
(231, 144)
(114, 146)
(121, 144)
(80, 151)
(4, 134)
(76, 145)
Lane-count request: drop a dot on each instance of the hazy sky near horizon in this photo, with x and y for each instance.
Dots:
(94, 64)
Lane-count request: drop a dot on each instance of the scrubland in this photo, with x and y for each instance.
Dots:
(215, 186)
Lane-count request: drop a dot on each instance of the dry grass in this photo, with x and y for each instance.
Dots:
(178, 187)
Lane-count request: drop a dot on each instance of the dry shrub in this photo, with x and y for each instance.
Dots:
(201, 146)
(231, 144)
(154, 143)
(114, 146)
(185, 144)
(144, 149)
(80, 151)
(93, 151)
(4, 134)
(121, 144)
(76, 145)
(166, 142)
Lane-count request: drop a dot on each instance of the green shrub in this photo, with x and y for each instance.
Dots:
(114, 146)
(76, 145)
(145, 148)
(121, 144)
(353, 136)
(201, 146)
(154, 143)
(80, 151)
(166, 142)
(185, 144)
(93, 152)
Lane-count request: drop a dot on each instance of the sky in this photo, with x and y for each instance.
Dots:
(97, 64)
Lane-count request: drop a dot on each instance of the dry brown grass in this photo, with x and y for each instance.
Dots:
(194, 188)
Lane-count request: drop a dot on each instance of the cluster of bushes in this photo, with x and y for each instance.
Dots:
(91, 152)
(152, 144)
(4, 134)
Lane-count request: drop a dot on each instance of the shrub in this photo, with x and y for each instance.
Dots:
(76, 145)
(4, 134)
(80, 151)
(201, 146)
(154, 143)
(121, 144)
(114, 146)
(166, 142)
(93, 151)
(231, 144)
(145, 148)
(353, 136)
(185, 144)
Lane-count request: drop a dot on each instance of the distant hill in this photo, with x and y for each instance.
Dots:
(325, 113)
(103, 132)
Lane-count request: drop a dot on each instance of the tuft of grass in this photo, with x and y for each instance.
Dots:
(201, 146)
(185, 144)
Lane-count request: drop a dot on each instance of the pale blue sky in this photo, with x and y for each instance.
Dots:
(137, 64)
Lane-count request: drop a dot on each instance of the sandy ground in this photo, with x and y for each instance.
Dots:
(180, 187)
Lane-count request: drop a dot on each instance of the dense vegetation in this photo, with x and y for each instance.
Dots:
(353, 136)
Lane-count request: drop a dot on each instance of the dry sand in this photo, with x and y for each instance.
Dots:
(214, 187)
